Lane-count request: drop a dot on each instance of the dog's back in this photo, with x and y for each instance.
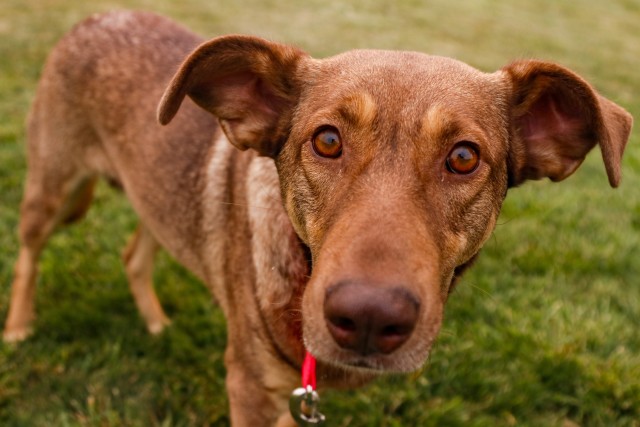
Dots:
(94, 115)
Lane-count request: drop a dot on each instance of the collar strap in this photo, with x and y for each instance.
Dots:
(309, 371)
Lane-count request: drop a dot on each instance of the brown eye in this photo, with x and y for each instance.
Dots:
(463, 159)
(327, 143)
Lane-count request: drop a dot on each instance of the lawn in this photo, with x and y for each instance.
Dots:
(542, 332)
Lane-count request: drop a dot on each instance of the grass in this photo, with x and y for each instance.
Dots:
(542, 332)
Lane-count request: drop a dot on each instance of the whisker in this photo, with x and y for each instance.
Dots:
(505, 222)
(484, 291)
(447, 332)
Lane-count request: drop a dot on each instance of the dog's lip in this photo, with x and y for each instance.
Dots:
(360, 365)
(374, 365)
(364, 364)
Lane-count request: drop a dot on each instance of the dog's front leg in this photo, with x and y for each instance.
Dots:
(251, 401)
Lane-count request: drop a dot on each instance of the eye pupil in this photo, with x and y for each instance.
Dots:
(463, 159)
(327, 143)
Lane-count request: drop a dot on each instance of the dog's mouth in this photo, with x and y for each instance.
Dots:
(308, 257)
(373, 365)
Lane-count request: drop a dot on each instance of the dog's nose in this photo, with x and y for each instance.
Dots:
(369, 319)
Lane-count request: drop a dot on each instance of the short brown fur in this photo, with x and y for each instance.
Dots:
(278, 231)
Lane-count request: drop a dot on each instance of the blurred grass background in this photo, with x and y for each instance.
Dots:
(542, 332)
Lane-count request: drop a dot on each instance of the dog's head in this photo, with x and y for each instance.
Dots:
(393, 167)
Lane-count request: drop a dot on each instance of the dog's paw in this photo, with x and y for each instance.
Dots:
(15, 335)
(156, 327)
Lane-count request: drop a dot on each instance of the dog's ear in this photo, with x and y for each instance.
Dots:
(249, 83)
(556, 119)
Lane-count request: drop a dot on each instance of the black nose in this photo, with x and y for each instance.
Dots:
(370, 319)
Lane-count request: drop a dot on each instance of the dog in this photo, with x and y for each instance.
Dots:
(329, 205)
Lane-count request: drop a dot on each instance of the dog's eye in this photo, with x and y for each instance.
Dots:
(463, 159)
(327, 143)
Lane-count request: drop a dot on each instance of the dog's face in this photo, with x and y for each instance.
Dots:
(396, 167)
(393, 167)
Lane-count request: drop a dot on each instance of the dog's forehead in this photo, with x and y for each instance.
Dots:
(403, 82)
(382, 70)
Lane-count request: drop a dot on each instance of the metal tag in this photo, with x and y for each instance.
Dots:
(304, 407)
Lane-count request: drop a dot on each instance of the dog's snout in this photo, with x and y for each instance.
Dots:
(368, 319)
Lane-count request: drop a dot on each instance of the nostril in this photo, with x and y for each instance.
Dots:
(392, 330)
(344, 323)
(344, 331)
(390, 337)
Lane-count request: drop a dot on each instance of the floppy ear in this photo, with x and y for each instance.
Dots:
(249, 83)
(557, 118)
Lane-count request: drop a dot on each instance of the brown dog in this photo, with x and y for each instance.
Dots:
(372, 182)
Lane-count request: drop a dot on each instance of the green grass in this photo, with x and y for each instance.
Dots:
(542, 332)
